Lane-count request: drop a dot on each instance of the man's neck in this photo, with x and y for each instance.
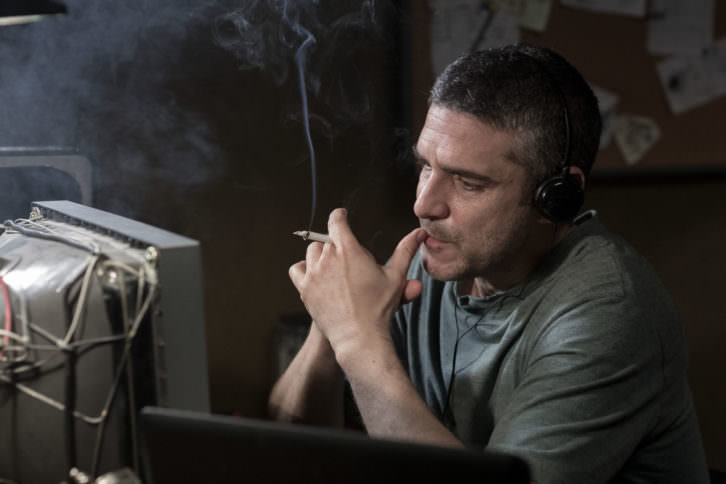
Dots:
(477, 287)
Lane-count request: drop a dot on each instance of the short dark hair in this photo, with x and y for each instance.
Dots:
(534, 92)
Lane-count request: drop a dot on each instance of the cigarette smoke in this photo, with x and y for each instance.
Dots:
(273, 35)
(106, 80)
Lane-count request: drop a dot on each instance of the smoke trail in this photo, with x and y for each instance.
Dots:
(300, 58)
(270, 35)
(300, 61)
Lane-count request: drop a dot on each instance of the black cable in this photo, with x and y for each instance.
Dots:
(453, 373)
(70, 407)
(452, 376)
(453, 362)
(108, 406)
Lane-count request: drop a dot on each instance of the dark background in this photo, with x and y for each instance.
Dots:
(185, 134)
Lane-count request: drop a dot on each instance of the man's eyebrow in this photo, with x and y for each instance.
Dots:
(454, 171)
(471, 175)
(415, 152)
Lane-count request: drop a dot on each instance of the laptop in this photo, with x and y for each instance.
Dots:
(186, 446)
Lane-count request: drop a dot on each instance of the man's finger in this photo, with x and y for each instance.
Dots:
(312, 254)
(339, 230)
(405, 250)
(297, 274)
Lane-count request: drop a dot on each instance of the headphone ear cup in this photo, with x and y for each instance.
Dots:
(560, 198)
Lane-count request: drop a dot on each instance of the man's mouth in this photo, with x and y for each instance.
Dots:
(434, 241)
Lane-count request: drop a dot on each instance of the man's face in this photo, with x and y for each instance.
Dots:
(471, 200)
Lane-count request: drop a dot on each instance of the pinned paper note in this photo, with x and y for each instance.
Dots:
(607, 102)
(693, 80)
(680, 26)
(629, 8)
(459, 26)
(634, 136)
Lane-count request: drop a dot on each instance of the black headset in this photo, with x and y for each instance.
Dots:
(560, 197)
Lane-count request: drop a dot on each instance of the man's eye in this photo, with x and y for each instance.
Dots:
(421, 166)
(470, 187)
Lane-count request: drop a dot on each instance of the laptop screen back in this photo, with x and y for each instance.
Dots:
(185, 446)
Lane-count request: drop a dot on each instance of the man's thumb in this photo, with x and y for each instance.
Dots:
(411, 291)
(405, 250)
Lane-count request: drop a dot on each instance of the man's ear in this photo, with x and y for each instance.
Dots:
(576, 172)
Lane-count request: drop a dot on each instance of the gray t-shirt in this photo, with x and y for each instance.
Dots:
(580, 369)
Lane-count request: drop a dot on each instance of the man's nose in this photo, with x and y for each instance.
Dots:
(431, 200)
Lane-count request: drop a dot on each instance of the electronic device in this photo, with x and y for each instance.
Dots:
(559, 198)
(100, 315)
(186, 446)
(42, 173)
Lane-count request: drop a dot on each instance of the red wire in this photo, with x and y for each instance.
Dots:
(8, 312)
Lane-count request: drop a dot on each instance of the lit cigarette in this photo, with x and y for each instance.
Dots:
(314, 236)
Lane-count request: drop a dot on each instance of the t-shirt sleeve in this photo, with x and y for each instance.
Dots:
(587, 395)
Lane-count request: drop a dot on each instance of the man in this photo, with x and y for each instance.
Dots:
(525, 329)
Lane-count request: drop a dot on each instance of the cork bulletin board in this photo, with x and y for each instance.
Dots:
(611, 52)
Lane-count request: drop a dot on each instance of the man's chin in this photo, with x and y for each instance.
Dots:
(437, 270)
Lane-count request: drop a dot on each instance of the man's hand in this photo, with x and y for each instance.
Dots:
(351, 297)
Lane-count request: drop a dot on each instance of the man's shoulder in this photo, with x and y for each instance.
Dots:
(596, 262)
(595, 281)
(600, 294)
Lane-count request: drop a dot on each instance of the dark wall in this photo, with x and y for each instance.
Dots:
(184, 134)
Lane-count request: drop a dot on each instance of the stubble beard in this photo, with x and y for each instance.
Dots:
(451, 271)
(494, 259)
(458, 269)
